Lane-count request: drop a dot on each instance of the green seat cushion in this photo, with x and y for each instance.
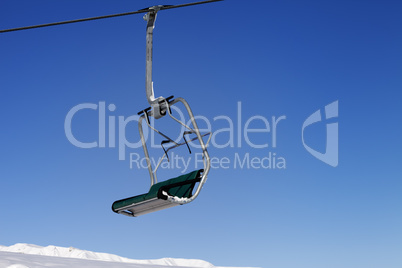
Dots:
(128, 201)
(179, 191)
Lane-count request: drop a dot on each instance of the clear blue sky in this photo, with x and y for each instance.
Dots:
(278, 58)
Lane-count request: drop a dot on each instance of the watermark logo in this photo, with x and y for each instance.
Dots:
(330, 156)
(235, 161)
(256, 132)
(253, 140)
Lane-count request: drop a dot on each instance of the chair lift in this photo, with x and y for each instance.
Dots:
(179, 190)
(172, 192)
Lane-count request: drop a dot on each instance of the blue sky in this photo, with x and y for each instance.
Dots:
(277, 58)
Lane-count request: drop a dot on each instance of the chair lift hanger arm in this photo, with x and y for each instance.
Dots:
(158, 104)
(145, 10)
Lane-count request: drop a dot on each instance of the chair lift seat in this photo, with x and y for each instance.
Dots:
(155, 199)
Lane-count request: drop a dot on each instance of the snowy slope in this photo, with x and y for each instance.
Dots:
(32, 256)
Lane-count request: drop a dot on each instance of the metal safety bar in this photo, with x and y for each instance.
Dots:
(206, 162)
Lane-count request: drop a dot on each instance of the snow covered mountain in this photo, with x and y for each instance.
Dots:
(32, 256)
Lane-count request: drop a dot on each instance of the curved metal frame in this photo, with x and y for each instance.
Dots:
(207, 161)
(161, 107)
